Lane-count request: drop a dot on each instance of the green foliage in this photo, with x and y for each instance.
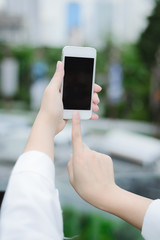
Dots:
(93, 226)
(136, 78)
(102, 61)
(52, 56)
(127, 232)
(1, 50)
(136, 83)
(149, 41)
(24, 55)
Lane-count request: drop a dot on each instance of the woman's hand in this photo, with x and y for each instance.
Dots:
(52, 107)
(90, 173)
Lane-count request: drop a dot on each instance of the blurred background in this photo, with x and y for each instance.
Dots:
(126, 35)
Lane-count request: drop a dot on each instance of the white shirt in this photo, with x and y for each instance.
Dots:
(31, 209)
(151, 223)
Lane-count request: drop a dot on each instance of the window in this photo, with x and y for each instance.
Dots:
(73, 16)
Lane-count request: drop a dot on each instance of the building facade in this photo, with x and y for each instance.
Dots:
(77, 22)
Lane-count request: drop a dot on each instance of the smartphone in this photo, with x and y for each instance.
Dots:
(78, 83)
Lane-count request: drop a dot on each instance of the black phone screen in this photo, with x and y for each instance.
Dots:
(77, 85)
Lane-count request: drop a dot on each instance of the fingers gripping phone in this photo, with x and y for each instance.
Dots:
(78, 84)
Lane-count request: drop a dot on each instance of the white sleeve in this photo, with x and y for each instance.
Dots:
(151, 223)
(31, 208)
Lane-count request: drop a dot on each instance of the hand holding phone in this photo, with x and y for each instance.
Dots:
(77, 88)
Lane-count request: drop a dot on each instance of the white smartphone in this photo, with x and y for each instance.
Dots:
(78, 84)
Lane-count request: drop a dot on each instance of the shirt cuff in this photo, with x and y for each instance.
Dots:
(37, 162)
(150, 228)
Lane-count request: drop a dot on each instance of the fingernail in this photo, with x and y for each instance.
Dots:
(59, 66)
(76, 114)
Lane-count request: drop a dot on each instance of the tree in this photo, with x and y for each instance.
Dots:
(149, 48)
(149, 41)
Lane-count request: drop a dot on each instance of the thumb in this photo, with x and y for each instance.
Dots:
(58, 76)
(76, 132)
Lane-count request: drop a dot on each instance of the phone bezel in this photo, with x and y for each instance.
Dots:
(84, 52)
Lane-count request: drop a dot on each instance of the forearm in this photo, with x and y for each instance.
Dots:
(128, 206)
(41, 136)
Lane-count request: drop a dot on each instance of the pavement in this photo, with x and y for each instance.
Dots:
(14, 131)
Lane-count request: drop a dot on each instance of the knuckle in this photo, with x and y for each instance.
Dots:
(69, 165)
(47, 91)
(70, 179)
(109, 159)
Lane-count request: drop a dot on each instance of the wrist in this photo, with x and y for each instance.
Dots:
(47, 123)
(126, 205)
(110, 197)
